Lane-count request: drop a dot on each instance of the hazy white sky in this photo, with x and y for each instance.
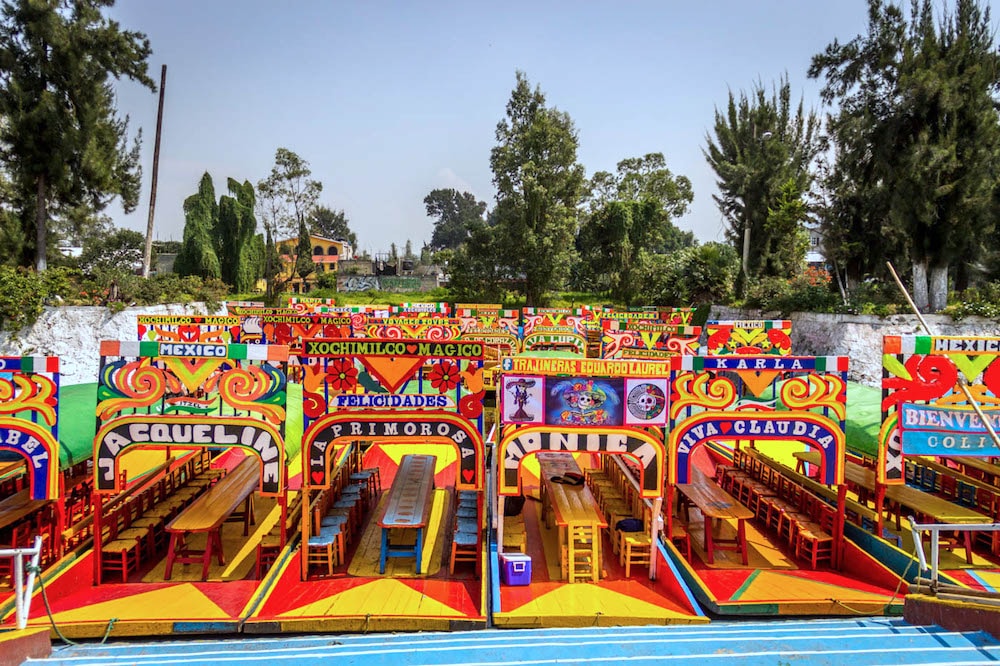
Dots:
(390, 100)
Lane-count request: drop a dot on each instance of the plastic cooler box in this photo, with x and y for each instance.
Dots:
(516, 568)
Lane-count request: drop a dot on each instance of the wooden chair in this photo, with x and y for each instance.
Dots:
(514, 534)
(948, 486)
(464, 548)
(20, 537)
(322, 549)
(680, 538)
(813, 543)
(637, 547)
(118, 554)
(580, 552)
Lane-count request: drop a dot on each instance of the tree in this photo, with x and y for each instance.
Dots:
(234, 234)
(332, 224)
(287, 199)
(761, 154)
(455, 212)
(630, 219)
(917, 114)
(120, 251)
(539, 185)
(62, 140)
(304, 264)
(201, 217)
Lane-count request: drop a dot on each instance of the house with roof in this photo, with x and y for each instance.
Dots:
(327, 253)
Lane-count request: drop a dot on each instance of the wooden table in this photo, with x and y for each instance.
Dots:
(715, 503)
(925, 505)
(990, 472)
(408, 506)
(18, 506)
(570, 506)
(207, 514)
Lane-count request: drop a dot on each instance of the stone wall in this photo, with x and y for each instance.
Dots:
(860, 336)
(73, 334)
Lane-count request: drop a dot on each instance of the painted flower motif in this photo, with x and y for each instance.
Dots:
(343, 375)
(445, 376)
(471, 405)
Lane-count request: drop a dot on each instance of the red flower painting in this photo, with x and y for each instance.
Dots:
(343, 375)
(444, 376)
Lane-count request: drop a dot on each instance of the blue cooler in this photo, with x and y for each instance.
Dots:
(516, 568)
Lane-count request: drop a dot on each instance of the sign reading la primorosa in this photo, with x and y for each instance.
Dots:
(393, 348)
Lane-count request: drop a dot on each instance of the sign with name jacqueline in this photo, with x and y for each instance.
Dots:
(136, 430)
(940, 431)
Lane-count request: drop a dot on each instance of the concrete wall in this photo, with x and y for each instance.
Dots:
(860, 336)
(73, 334)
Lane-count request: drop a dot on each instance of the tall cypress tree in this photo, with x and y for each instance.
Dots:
(201, 213)
(234, 236)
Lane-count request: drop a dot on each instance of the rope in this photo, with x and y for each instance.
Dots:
(48, 610)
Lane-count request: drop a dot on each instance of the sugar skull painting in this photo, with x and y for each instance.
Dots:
(585, 402)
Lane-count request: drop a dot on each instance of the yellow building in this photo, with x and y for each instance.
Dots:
(326, 253)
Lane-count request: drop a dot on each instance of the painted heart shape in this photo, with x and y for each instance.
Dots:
(317, 477)
(411, 349)
(468, 475)
(726, 427)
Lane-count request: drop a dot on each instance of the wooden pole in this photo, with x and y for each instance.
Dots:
(147, 254)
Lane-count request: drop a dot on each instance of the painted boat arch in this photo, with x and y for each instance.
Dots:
(519, 442)
(124, 433)
(323, 435)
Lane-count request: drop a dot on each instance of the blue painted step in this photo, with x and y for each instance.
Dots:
(861, 642)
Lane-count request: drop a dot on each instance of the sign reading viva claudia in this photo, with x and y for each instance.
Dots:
(129, 431)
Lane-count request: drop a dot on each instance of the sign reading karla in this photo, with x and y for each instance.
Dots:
(941, 431)
(420, 348)
(141, 429)
(326, 431)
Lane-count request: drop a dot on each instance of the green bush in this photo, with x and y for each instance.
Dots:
(982, 301)
(808, 292)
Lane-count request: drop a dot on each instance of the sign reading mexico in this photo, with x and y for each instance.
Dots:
(182, 431)
(943, 431)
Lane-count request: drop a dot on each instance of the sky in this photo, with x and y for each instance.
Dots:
(387, 101)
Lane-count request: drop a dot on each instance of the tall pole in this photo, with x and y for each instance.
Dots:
(147, 254)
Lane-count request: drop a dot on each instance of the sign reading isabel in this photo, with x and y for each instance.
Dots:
(133, 430)
(37, 446)
(943, 431)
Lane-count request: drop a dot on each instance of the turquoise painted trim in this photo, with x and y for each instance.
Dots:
(986, 586)
(899, 562)
(691, 581)
(680, 579)
(494, 562)
(217, 627)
